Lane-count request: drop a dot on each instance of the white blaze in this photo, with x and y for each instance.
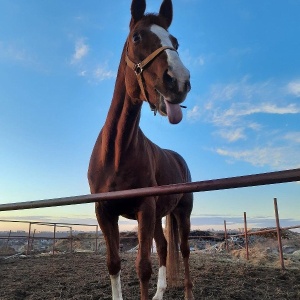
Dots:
(176, 67)
(161, 283)
(116, 287)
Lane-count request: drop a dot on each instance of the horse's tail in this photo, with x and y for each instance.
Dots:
(173, 262)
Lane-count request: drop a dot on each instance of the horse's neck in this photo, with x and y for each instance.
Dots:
(121, 129)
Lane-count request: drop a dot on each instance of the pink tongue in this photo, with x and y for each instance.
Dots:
(174, 112)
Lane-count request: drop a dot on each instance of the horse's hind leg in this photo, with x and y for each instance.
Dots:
(110, 229)
(161, 246)
(182, 214)
(146, 224)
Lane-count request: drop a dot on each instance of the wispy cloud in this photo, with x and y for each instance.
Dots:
(246, 109)
(194, 113)
(234, 114)
(192, 61)
(283, 157)
(81, 50)
(235, 222)
(293, 136)
(96, 75)
(12, 53)
(293, 88)
(256, 156)
(85, 64)
(236, 110)
(205, 221)
(15, 52)
(229, 104)
(102, 73)
(232, 135)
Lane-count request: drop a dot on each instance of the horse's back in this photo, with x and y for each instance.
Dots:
(169, 166)
(182, 164)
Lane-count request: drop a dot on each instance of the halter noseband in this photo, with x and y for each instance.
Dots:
(140, 67)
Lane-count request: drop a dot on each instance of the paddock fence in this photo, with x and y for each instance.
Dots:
(285, 176)
(31, 235)
(278, 230)
(198, 186)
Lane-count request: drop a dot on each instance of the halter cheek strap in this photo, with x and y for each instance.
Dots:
(140, 67)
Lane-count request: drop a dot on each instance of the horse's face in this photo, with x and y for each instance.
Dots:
(166, 81)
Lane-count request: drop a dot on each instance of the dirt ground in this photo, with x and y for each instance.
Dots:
(84, 276)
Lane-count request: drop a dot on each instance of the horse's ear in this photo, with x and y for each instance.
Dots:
(138, 8)
(166, 11)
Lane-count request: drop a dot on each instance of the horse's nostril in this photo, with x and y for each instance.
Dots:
(188, 85)
(169, 80)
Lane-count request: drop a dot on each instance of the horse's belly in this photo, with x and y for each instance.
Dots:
(166, 204)
(129, 216)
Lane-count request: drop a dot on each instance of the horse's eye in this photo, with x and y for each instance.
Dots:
(174, 42)
(136, 37)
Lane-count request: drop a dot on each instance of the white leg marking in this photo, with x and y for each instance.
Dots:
(161, 283)
(116, 286)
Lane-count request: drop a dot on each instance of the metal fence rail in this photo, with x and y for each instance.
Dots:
(199, 186)
(31, 236)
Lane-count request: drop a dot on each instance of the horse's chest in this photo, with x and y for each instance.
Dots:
(129, 177)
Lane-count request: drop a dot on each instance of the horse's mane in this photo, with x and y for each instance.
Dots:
(150, 19)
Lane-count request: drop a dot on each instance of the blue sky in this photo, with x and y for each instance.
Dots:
(58, 62)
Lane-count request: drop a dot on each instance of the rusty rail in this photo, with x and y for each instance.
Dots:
(246, 236)
(199, 186)
(278, 234)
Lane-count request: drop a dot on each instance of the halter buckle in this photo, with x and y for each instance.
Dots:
(138, 69)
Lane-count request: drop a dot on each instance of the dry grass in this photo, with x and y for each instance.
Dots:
(84, 276)
(216, 275)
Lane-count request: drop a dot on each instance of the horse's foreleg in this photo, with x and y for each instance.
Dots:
(184, 231)
(110, 229)
(146, 224)
(116, 286)
(183, 220)
(114, 261)
(161, 246)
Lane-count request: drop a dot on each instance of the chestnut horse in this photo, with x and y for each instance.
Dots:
(123, 158)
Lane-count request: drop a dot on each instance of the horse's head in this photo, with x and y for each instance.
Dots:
(155, 72)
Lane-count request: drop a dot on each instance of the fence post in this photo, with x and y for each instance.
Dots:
(246, 236)
(71, 239)
(28, 238)
(278, 234)
(32, 240)
(8, 238)
(54, 236)
(226, 237)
